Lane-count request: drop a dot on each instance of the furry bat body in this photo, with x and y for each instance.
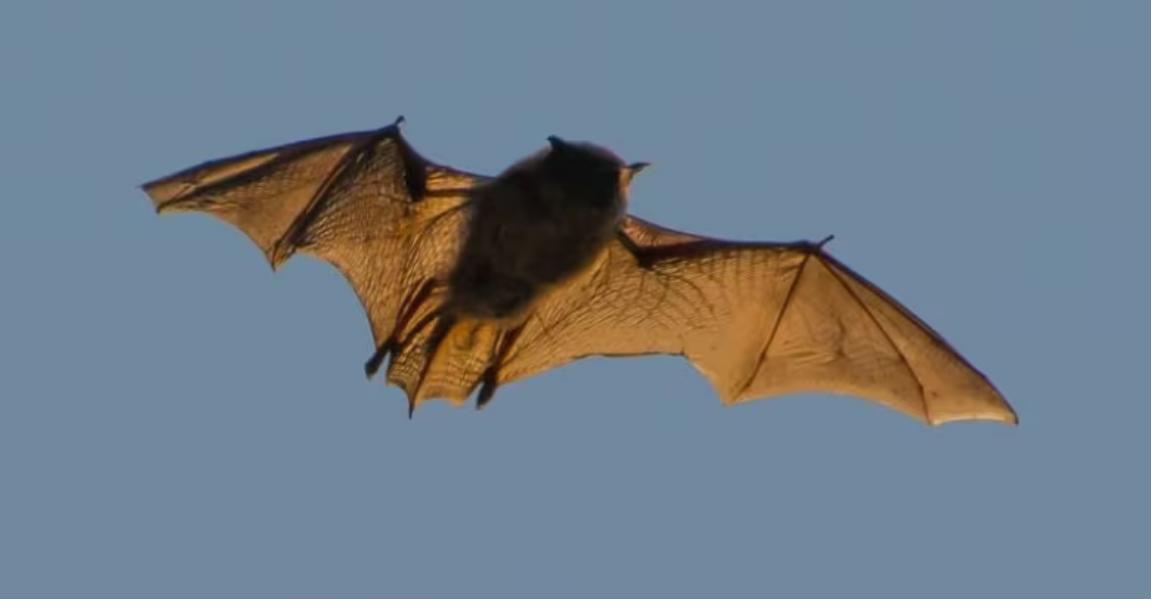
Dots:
(471, 281)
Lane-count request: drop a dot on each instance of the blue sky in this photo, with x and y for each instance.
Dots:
(175, 420)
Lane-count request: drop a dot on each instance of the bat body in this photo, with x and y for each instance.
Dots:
(541, 221)
(471, 281)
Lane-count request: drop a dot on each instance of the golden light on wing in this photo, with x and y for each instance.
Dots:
(386, 218)
(261, 193)
(757, 320)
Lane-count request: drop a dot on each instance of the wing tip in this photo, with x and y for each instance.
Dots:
(997, 414)
(156, 190)
(998, 411)
(150, 189)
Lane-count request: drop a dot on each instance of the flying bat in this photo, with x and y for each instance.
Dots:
(471, 281)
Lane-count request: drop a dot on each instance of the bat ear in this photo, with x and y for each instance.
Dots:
(557, 144)
(637, 167)
(628, 172)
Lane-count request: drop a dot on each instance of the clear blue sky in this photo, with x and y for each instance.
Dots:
(177, 421)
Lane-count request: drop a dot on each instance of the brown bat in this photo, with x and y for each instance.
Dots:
(472, 281)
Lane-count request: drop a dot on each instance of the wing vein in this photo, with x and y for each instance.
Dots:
(774, 330)
(284, 246)
(886, 336)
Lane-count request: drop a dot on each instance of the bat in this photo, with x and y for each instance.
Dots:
(472, 281)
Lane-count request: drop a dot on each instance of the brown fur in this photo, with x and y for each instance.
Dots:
(543, 220)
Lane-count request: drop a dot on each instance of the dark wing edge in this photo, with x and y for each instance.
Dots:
(757, 319)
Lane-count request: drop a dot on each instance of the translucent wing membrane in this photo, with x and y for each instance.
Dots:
(757, 319)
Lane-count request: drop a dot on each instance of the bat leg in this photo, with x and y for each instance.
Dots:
(445, 324)
(441, 330)
(415, 332)
(391, 346)
(490, 377)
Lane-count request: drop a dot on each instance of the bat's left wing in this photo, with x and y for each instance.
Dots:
(757, 319)
(389, 219)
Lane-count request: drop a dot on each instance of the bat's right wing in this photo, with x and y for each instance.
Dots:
(366, 202)
(758, 320)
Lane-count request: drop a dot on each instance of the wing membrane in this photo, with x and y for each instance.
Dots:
(757, 320)
(388, 219)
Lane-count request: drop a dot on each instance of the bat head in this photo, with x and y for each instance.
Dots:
(583, 158)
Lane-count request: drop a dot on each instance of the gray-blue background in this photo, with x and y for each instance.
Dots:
(177, 421)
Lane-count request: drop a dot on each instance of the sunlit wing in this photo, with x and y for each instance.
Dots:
(758, 320)
(365, 202)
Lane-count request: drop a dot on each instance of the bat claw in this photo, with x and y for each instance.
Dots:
(823, 242)
(486, 391)
(389, 348)
(372, 366)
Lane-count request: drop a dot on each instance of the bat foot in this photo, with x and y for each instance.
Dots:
(490, 377)
(387, 348)
(486, 391)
